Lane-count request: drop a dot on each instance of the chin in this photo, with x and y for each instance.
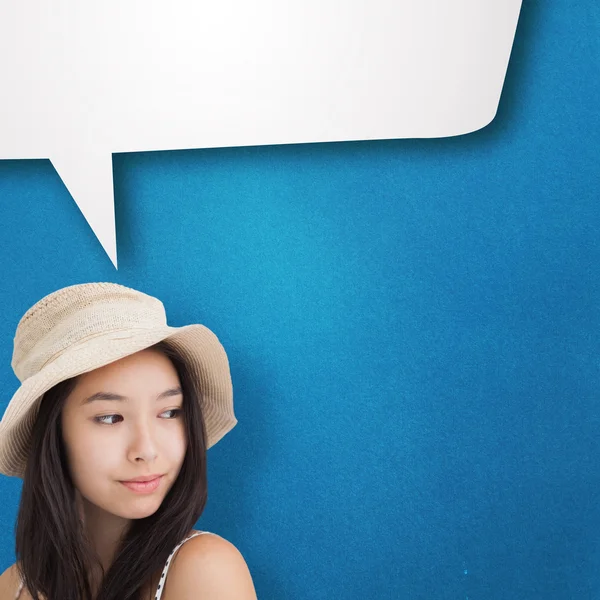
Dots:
(134, 507)
(136, 510)
(139, 513)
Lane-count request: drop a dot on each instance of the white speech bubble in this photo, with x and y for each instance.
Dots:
(81, 80)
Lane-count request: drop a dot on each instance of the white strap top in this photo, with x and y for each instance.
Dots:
(19, 590)
(160, 588)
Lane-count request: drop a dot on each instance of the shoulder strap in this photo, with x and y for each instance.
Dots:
(19, 590)
(159, 589)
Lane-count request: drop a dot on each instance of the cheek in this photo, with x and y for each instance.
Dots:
(175, 447)
(87, 455)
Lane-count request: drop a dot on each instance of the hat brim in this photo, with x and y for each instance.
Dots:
(199, 347)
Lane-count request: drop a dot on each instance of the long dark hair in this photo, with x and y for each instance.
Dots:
(54, 556)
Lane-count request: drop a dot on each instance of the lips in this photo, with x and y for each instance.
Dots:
(143, 478)
(143, 485)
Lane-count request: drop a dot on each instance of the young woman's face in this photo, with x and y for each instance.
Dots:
(121, 422)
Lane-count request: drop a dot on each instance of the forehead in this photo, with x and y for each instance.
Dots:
(138, 374)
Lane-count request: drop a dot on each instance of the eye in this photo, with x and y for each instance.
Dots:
(175, 412)
(104, 419)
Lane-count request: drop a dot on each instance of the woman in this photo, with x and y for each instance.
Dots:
(109, 431)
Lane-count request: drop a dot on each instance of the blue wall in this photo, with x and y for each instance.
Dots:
(412, 327)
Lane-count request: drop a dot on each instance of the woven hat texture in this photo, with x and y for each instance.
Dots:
(83, 327)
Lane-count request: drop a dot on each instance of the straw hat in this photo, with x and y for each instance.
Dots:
(83, 327)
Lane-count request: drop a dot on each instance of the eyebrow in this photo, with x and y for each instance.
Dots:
(176, 391)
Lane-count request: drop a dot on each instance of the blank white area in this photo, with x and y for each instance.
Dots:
(85, 79)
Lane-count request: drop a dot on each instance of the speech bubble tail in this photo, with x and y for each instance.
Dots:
(88, 176)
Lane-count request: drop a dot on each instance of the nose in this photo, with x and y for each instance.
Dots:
(142, 446)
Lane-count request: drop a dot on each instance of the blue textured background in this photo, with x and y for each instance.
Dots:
(412, 327)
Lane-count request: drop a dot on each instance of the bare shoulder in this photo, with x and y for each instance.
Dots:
(206, 567)
(9, 582)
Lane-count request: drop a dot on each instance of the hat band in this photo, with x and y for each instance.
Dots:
(89, 337)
